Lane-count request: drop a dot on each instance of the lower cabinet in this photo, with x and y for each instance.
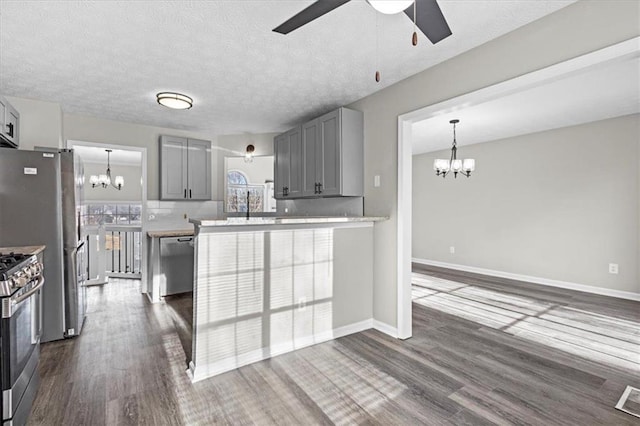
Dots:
(176, 264)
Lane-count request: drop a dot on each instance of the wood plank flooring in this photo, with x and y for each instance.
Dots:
(484, 351)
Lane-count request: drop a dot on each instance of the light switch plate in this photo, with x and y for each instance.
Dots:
(376, 181)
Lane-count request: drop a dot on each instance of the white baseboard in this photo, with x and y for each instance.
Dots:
(536, 280)
(385, 328)
(201, 372)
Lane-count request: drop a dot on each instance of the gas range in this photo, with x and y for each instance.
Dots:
(16, 271)
(21, 282)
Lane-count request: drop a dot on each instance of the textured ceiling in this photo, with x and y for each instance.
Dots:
(595, 93)
(109, 58)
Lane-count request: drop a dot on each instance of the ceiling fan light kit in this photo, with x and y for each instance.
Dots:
(465, 166)
(390, 7)
(174, 100)
(427, 15)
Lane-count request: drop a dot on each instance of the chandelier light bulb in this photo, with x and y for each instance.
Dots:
(119, 181)
(468, 165)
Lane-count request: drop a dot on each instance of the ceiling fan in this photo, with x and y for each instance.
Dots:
(429, 18)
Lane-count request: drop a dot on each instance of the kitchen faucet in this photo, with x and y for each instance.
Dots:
(248, 205)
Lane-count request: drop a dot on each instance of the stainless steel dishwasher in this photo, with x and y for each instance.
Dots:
(176, 265)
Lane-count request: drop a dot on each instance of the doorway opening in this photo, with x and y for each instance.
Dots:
(542, 89)
(114, 210)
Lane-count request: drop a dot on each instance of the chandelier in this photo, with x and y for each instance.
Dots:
(444, 166)
(105, 180)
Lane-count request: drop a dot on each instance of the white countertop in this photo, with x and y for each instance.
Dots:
(170, 233)
(285, 220)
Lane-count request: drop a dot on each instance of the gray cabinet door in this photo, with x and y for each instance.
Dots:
(12, 124)
(288, 164)
(328, 160)
(198, 169)
(281, 165)
(295, 162)
(3, 111)
(310, 148)
(173, 168)
(9, 122)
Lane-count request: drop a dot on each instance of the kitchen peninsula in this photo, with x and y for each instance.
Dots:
(266, 286)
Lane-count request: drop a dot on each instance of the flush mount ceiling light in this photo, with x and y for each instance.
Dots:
(105, 181)
(444, 166)
(174, 100)
(248, 155)
(390, 7)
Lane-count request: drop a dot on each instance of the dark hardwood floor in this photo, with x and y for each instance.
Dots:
(484, 351)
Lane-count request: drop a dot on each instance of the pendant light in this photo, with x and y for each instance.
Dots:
(105, 181)
(248, 155)
(444, 166)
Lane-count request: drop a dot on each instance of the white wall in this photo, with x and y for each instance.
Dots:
(560, 205)
(235, 146)
(257, 171)
(131, 191)
(578, 29)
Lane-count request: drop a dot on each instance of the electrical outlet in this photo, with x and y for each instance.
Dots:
(376, 181)
(452, 250)
(613, 268)
(185, 215)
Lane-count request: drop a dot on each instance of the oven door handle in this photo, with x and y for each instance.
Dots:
(30, 293)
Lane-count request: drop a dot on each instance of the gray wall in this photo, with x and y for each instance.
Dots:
(578, 29)
(97, 130)
(560, 204)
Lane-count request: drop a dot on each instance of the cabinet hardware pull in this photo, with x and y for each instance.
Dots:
(319, 187)
(185, 193)
(10, 132)
(189, 193)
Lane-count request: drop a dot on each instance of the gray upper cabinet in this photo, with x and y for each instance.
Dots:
(310, 150)
(9, 123)
(332, 156)
(185, 169)
(288, 164)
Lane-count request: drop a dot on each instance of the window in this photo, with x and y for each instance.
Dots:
(112, 214)
(237, 190)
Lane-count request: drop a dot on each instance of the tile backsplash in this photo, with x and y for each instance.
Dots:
(176, 214)
(164, 215)
(338, 206)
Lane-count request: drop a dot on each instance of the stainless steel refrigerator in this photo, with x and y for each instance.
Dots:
(41, 202)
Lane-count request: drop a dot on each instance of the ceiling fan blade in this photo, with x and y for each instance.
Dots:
(430, 20)
(312, 12)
